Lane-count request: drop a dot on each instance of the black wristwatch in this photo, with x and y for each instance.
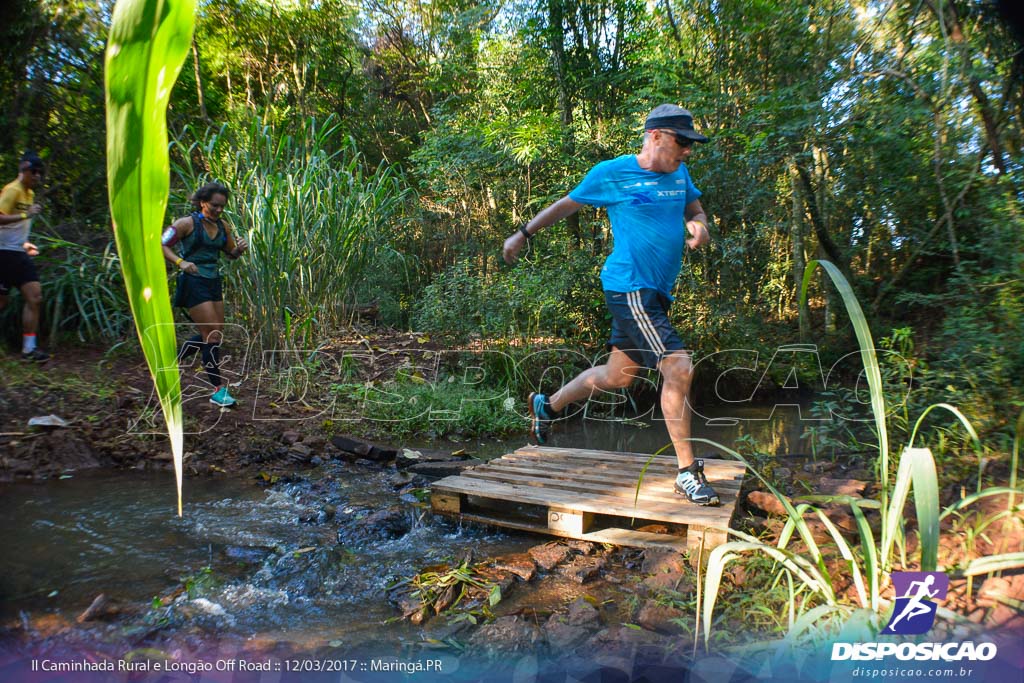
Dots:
(522, 229)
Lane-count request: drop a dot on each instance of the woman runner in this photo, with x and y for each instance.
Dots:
(201, 238)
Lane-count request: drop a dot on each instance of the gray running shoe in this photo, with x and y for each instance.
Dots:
(692, 483)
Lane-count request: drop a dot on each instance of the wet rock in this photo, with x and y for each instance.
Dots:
(630, 644)
(290, 437)
(842, 518)
(819, 532)
(438, 470)
(408, 457)
(1001, 593)
(506, 635)
(446, 627)
(782, 473)
(658, 561)
(363, 449)
(838, 487)
(549, 555)
(315, 441)
(583, 569)
(520, 564)
(494, 576)
(303, 571)
(583, 614)
(819, 467)
(446, 599)
(582, 547)
(400, 479)
(246, 554)
(382, 525)
(665, 582)
(300, 453)
(561, 636)
(766, 502)
(205, 614)
(410, 606)
(349, 445)
(94, 610)
(661, 618)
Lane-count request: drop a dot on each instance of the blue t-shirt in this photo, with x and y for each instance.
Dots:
(647, 211)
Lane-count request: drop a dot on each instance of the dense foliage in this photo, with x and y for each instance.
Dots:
(884, 137)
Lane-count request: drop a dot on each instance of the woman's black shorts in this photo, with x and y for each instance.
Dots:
(193, 290)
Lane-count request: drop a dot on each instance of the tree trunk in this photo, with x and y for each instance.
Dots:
(799, 262)
(200, 94)
(556, 38)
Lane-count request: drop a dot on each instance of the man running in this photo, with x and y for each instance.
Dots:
(655, 214)
(17, 209)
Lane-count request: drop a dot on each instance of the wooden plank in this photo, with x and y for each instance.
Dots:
(680, 511)
(619, 472)
(624, 456)
(571, 521)
(652, 482)
(711, 539)
(624, 469)
(637, 539)
(578, 487)
(445, 502)
(628, 470)
(724, 469)
(613, 536)
(649, 491)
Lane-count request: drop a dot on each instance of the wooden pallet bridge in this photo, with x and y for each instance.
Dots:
(589, 495)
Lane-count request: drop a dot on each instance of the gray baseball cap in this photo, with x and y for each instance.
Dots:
(674, 118)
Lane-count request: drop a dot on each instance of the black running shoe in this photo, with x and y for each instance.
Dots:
(540, 417)
(692, 483)
(36, 356)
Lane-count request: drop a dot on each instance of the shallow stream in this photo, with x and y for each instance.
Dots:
(268, 562)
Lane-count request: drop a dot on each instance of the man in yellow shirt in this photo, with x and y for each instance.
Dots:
(17, 209)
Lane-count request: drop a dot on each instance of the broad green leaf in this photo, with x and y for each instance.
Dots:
(917, 468)
(146, 48)
(993, 563)
(867, 355)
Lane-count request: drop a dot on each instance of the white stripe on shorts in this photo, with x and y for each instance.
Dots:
(643, 322)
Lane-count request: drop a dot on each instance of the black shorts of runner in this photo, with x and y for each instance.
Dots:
(193, 290)
(640, 326)
(16, 269)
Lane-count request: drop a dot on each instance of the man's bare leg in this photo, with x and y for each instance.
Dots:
(677, 371)
(618, 372)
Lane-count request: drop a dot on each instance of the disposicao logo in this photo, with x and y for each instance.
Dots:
(914, 612)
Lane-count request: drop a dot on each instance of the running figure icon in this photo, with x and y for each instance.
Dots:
(915, 608)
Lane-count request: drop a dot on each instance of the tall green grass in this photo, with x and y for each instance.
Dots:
(315, 216)
(869, 561)
(146, 48)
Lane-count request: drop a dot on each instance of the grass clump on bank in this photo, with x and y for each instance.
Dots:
(441, 409)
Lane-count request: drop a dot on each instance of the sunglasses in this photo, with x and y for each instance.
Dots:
(681, 140)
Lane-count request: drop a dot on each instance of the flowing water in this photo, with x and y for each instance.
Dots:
(289, 561)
